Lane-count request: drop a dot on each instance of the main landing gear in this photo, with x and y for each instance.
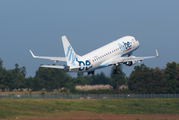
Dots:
(116, 70)
(91, 72)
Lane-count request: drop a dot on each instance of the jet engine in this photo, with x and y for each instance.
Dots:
(130, 63)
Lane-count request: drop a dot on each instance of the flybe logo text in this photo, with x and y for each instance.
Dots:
(125, 46)
(70, 55)
(84, 65)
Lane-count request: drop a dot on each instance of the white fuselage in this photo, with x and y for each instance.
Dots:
(110, 54)
(101, 57)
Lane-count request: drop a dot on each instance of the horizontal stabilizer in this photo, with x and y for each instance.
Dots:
(53, 66)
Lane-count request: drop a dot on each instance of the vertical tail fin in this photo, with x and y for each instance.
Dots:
(69, 52)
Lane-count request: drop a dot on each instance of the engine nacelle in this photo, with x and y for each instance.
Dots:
(130, 63)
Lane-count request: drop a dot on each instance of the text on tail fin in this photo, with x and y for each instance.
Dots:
(71, 55)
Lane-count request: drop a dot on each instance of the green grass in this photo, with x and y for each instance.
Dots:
(54, 108)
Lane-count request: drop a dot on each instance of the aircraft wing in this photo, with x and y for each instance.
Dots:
(50, 58)
(53, 66)
(117, 60)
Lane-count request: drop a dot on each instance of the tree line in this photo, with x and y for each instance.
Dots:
(155, 81)
(141, 80)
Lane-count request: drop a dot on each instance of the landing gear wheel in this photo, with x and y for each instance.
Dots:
(92, 72)
(118, 71)
(114, 71)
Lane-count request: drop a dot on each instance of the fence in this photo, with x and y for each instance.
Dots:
(88, 96)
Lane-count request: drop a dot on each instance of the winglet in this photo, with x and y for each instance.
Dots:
(32, 53)
(157, 53)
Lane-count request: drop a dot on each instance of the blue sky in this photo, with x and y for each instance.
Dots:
(88, 25)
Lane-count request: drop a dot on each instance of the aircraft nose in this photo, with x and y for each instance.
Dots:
(138, 44)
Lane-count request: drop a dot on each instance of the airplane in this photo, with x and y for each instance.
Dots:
(115, 53)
